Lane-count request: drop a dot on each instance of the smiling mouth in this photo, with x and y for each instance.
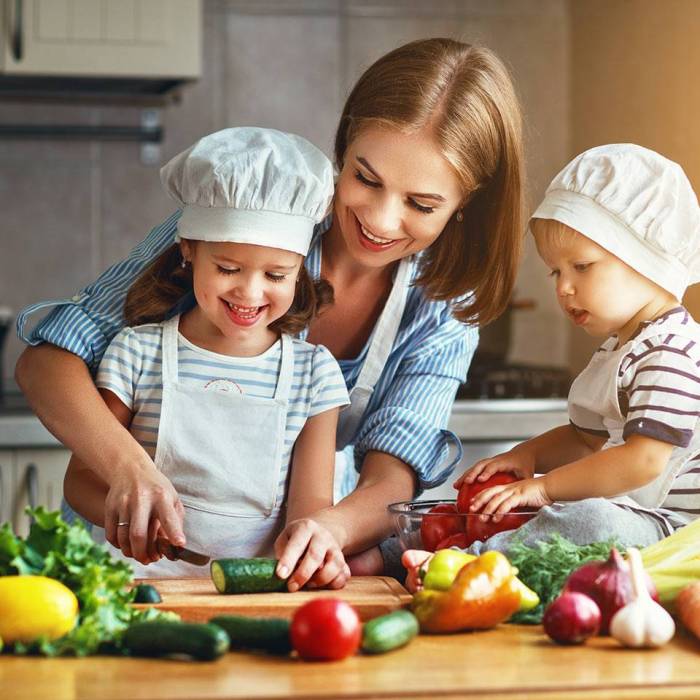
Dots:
(244, 313)
(373, 241)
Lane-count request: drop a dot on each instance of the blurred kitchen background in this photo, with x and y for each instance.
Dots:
(96, 94)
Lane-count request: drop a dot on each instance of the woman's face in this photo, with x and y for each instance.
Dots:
(395, 195)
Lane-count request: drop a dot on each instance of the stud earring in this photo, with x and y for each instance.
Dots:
(459, 216)
(183, 263)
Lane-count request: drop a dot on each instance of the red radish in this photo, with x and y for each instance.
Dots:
(571, 618)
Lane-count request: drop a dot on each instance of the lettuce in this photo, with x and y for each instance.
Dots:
(68, 554)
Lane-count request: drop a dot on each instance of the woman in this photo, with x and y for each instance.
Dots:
(423, 245)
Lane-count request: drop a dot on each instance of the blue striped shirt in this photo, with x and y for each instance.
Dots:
(410, 407)
(132, 369)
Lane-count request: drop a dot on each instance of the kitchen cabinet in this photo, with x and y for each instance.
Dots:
(111, 38)
(30, 477)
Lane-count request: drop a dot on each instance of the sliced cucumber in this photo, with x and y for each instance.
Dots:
(203, 642)
(246, 576)
(390, 631)
(270, 634)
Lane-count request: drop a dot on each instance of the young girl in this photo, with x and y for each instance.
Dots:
(619, 228)
(222, 395)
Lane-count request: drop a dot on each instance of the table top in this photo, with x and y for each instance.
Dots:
(506, 662)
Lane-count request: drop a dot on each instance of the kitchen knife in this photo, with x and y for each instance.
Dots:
(172, 552)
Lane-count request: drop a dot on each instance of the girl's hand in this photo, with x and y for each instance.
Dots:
(146, 500)
(309, 550)
(513, 461)
(413, 560)
(498, 500)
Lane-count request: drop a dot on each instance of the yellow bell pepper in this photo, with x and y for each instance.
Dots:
(484, 593)
(443, 567)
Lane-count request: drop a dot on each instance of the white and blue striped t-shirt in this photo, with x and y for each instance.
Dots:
(410, 407)
(132, 366)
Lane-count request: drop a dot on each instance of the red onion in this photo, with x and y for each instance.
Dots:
(571, 618)
(608, 583)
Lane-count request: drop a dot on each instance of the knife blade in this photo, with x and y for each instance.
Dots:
(172, 552)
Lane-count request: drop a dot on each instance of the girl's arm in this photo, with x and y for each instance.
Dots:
(61, 392)
(307, 548)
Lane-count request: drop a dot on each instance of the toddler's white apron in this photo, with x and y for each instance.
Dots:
(222, 451)
(595, 392)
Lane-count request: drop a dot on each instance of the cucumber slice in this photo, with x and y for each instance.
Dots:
(246, 576)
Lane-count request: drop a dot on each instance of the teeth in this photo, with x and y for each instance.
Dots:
(243, 311)
(375, 239)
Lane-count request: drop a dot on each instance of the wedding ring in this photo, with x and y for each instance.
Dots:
(123, 524)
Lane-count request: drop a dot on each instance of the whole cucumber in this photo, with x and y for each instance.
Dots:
(246, 576)
(390, 631)
(270, 634)
(204, 642)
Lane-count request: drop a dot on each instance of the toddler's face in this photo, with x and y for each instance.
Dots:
(594, 288)
(241, 288)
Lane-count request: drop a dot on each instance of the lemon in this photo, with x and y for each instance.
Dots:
(35, 606)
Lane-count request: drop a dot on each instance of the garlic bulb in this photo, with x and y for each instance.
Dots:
(642, 622)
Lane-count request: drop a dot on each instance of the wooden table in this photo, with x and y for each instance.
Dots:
(505, 663)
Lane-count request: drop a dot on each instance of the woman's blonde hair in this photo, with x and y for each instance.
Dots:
(165, 282)
(465, 96)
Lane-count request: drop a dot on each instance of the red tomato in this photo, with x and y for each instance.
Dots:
(476, 529)
(435, 528)
(459, 539)
(326, 629)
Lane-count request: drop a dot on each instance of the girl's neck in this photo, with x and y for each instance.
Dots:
(199, 331)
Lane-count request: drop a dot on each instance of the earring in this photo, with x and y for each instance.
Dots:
(183, 263)
(459, 216)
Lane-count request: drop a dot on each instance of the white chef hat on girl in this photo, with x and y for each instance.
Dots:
(637, 205)
(250, 185)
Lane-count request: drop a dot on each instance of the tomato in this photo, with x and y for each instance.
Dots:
(435, 528)
(459, 539)
(326, 629)
(476, 528)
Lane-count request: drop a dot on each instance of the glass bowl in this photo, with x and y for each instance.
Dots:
(419, 528)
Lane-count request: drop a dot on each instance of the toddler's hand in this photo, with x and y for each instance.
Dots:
(499, 500)
(413, 561)
(511, 461)
(312, 555)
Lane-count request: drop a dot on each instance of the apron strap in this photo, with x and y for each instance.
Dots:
(286, 375)
(170, 328)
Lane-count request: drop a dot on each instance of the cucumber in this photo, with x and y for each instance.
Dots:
(270, 634)
(246, 576)
(390, 631)
(204, 642)
(145, 593)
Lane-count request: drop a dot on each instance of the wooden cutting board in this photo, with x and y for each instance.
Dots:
(196, 599)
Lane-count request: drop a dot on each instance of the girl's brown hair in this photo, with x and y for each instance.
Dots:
(465, 96)
(164, 283)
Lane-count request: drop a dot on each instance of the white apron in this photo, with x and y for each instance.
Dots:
(222, 451)
(595, 392)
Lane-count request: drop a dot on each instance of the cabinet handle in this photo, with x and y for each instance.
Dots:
(17, 46)
(32, 485)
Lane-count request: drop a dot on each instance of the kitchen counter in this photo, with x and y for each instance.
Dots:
(473, 420)
(505, 663)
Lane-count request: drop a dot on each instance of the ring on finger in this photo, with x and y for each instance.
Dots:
(123, 524)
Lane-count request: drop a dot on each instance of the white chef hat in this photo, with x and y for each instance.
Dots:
(250, 185)
(637, 205)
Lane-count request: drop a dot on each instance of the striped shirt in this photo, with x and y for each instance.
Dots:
(410, 407)
(658, 395)
(132, 368)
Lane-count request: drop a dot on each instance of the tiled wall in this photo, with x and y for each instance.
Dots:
(70, 209)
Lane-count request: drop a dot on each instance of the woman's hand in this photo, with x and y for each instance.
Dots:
(516, 461)
(498, 500)
(147, 502)
(310, 551)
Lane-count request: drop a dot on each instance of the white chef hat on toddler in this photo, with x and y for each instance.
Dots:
(637, 205)
(250, 185)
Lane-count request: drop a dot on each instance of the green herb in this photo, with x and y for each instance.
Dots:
(545, 567)
(68, 554)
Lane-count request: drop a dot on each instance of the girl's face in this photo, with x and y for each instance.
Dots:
(241, 288)
(394, 196)
(595, 289)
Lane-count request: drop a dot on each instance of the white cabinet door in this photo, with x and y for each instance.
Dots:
(7, 484)
(38, 481)
(139, 38)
